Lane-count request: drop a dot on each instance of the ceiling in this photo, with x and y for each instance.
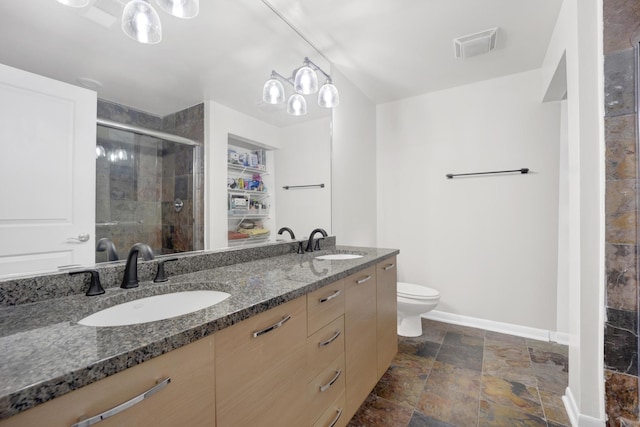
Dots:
(390, 49)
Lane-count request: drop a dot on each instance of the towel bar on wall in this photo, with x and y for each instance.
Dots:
(286, 187)
(522, 171)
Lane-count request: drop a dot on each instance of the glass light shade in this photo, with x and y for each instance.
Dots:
(328, 96)
(180, 8)
(74, 3)
(141, 22)
(297, 105)
(121, 155)
(273, 92)
(305, 81)
(100, 151)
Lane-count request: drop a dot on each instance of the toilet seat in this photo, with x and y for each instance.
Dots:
(417, 292)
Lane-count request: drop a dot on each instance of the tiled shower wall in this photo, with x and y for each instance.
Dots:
(184, 230)
(165, 174)
(621, 22)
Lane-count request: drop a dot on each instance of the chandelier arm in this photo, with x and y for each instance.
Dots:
(316, 67)
(274, 73)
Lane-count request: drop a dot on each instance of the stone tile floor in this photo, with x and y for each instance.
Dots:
(459, 376)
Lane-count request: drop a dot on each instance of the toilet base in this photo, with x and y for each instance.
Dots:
(410, 326)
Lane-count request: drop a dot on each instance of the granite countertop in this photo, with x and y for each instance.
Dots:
(45, 353)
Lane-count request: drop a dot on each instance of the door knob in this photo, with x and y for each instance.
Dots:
(82, 237)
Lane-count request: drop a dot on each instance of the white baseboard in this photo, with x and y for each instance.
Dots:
(571, 407)
(505, 328)
(560, 337)
(575, 417)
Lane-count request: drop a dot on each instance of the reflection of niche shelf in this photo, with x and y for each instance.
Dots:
(256, 194)
(248, 214)
(251, 240)
(246, 169)
(242, 202)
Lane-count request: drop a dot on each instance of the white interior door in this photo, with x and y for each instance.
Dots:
(47, 173)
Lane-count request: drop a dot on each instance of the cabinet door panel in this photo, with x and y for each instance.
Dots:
(360, 337)
(262, 379)
(189, 399)
(387, 302)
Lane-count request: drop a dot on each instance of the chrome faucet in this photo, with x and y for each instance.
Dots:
(106, 244)
(288, 230)
(130, 279)
(310, 247)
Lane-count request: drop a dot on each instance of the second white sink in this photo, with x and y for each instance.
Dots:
(154, 308)
(334, 257)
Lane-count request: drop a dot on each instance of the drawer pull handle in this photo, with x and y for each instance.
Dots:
(389, 267)
(335, 420)
(364, 279)
(331, 382)
(330, 340)
(125, 405)
(284, 320)
(330, 297)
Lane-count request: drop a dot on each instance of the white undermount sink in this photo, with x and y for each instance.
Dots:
(154, 308)
(335, 257)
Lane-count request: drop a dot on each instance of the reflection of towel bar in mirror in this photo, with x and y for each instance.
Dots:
(522, 171)
(287, 187)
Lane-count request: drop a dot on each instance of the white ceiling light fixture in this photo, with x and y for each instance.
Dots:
(74, 3)
(305, 82)
(475, 44)
(273, 90)
(141, 22)
(185, 9)
(297, 105)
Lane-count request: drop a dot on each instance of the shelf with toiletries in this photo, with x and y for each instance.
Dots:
(248, 206)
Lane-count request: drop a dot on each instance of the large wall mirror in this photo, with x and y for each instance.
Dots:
(216, 65)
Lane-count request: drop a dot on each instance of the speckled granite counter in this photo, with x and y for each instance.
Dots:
(45, 353)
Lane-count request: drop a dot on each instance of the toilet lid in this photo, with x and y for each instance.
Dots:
(416, 291)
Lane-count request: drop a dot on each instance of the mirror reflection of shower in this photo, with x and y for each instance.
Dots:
(140, 176)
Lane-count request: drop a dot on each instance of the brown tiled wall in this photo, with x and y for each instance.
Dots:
(621, 22)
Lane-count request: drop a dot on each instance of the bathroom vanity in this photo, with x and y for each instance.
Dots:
(300, 342)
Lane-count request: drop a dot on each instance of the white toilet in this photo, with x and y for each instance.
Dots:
(413, 300)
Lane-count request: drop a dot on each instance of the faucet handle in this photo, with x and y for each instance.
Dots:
(300, 250)
(95, 288)
(317, 246)
(161, 275)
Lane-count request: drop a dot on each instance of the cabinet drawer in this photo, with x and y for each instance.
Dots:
(187, 400)
(324, 305)
(262, 368)
(324, 346)
(334, 416)
(325, 388)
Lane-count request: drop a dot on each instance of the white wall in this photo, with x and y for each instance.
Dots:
(353, 165)
(488, 244)
(578, 35)
(304, 159)
(220, 121)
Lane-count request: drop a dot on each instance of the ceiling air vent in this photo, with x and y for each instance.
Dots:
(475, 44)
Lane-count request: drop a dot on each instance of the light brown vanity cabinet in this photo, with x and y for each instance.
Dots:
(360, 323)
(261, 369)
(188, 399)
(387, 313)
